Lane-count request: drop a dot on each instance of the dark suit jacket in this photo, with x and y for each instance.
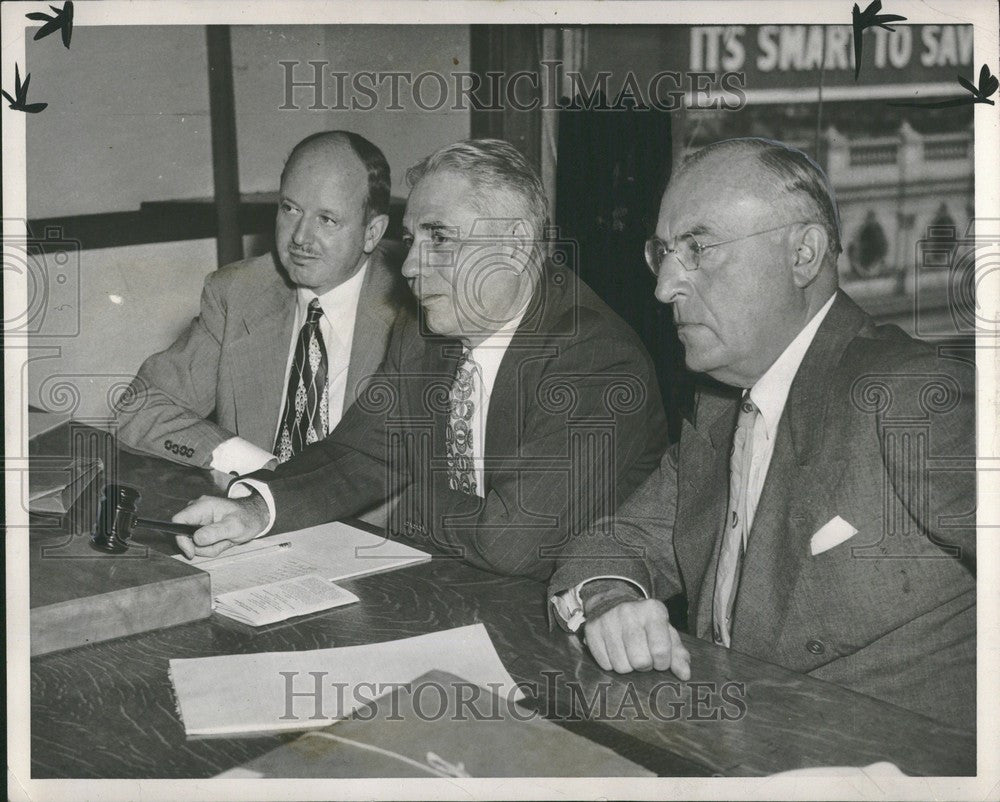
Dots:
(229, 364)
(575, 423)
(878, 429)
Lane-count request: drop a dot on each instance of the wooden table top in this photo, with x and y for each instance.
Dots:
(107, 710)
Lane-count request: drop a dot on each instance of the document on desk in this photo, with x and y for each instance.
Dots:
(247, 694)
(334, 551)
(282, 599)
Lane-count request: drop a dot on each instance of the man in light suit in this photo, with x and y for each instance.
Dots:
(219, 396)
(514, 408)
(819, 512)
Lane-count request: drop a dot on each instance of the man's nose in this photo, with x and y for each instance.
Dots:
(302, 235)
(670, 281)
(411, 264)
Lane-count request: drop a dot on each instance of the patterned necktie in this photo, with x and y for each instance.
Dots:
(307, 399)
(727, 575)
(458, 437)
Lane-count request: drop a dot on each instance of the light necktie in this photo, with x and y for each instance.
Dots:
(458, 437)
(307, 399)
(727, 575)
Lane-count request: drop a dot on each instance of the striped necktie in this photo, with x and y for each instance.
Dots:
(307, 399)
(727, 575)
(460, 445)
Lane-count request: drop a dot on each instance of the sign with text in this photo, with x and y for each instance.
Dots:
(786, 62)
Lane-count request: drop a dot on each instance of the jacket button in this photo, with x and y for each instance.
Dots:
(167, 444)
(816, 647)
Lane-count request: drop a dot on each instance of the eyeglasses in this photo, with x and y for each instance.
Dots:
(688, 250)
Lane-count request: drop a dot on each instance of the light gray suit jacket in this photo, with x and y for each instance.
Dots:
(225, 375)
(879, 430)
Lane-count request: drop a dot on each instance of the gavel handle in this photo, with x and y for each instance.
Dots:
(167, 526)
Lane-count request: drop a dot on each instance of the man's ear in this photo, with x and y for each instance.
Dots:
(810, 251)
(519, 242)
(374, 230)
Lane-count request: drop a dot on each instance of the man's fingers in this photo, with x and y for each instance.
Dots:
(199, 511)
(209, 534)
(616, 649)
(637, 648)
(595, 642)
(658, 637)
(215, 549)
(680, 658)
(186, 545)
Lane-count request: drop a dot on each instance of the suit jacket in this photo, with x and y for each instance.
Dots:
(225, 375)
(575, 423)
(878, 429)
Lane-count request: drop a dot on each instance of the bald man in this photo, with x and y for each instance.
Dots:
(819, 511)
(283, 340)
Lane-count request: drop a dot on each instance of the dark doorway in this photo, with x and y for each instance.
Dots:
(613, 165)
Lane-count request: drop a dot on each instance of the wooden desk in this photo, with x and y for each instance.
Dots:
(107, 711)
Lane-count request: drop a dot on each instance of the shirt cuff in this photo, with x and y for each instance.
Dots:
(241, 488)
(569, 606)
(239, 456)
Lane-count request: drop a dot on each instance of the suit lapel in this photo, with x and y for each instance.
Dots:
(375, 316)
(798, 480)
(260, 356)
(532, 340)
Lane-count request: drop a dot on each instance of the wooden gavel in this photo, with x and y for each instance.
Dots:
(117, 516)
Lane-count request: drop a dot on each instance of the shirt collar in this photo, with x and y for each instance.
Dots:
(490, 352)
(336, 301)
(770, 392)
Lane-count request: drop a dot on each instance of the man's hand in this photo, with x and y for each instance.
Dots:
(637, 636)
(224, 523)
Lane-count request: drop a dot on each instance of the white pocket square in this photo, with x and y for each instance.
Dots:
(832, 533)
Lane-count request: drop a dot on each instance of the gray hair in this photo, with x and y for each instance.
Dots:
(494, 167)
(798, 175)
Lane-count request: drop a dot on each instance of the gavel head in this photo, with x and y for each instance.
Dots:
(116, 516)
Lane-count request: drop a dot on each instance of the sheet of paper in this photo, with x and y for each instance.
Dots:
(277, 601)
(335, 550)
(253, 693)
(250, 573)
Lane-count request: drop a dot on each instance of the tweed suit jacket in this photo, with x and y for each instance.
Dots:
(225, 374)
(575, 423)
(878, 429)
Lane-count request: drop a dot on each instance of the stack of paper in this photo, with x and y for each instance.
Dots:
(244, 694)
(282, 576)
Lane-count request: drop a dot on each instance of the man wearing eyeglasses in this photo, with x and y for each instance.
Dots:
(514, 405)
(819, 511)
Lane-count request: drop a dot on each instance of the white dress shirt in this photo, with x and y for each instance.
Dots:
(340, 311)
(769, 393)
(488, 355)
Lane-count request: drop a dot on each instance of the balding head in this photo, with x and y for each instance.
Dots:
(784, 177)
(333, 145)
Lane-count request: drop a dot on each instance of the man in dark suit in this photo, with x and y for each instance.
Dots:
(515, 408)
(819, 512)
(218, 397)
